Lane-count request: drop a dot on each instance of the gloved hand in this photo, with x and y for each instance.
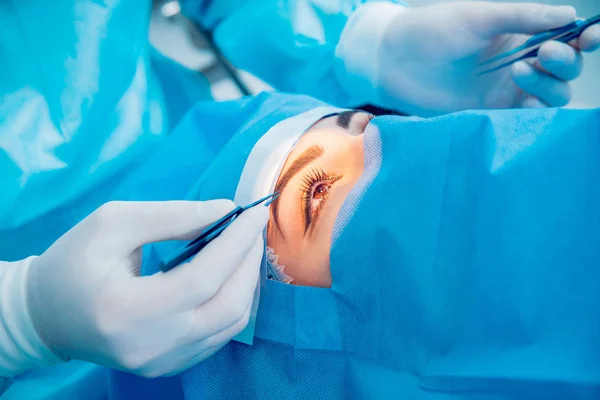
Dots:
(423, 61)
(87, 302)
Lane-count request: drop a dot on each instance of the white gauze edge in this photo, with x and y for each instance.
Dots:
(262, 169)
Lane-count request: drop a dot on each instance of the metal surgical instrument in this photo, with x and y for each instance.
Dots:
(210, 233)
(531, 47)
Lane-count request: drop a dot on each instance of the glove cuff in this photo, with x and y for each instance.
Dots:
(21, 348)
(357, 53)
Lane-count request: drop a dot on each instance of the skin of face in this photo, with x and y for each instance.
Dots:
(323, 167)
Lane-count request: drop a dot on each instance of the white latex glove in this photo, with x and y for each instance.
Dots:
(87, 302)
(423, 61)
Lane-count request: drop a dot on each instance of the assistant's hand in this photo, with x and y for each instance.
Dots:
(426, 58)
(87, 302)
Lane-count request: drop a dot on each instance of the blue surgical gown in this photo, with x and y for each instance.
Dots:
(464, 261)
(84, 96)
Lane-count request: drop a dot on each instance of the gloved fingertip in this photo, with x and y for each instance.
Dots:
(523, 73)
(216, 207)
(590, 39)
(533, 102)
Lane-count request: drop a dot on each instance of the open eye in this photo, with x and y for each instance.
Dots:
(316, 187)
(318, 195)
(321, 190)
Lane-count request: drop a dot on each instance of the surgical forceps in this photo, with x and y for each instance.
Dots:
(531, 47)
(210, 233)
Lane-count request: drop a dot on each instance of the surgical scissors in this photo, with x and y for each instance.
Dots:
(210, 233)
(531, 47)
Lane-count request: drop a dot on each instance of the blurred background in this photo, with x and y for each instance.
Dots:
(177, 38)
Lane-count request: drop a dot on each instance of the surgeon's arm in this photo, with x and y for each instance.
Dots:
(295, 46)
(79, 106)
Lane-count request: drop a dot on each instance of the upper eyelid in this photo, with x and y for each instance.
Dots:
(331, 178)
(314, 173)
(306, 158)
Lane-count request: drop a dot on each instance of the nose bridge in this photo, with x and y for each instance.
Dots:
(359, 140)
(357, 146)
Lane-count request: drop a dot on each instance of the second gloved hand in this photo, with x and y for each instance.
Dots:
(424, 60)
(87, 302)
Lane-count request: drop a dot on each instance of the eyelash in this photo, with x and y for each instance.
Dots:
(310, 182)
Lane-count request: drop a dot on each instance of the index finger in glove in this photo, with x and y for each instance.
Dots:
(197, 281)
(129, 225)
(492, 19)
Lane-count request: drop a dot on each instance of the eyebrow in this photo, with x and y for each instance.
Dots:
(343, 119)
(308, 156)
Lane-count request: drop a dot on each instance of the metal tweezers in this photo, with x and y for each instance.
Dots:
(210, 233)
(530, 48)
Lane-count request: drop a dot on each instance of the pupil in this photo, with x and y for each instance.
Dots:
(320, 190)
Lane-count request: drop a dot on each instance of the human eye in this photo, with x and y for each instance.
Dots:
(316, 188)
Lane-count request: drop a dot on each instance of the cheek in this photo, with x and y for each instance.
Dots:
(306, 263)
(310, 268)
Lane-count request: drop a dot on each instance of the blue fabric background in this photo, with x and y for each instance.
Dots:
(465, 266)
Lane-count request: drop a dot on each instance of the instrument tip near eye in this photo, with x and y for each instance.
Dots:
(270, 198)
(274, 196)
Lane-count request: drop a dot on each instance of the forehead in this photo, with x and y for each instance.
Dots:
(325, 132)
(265, 161)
